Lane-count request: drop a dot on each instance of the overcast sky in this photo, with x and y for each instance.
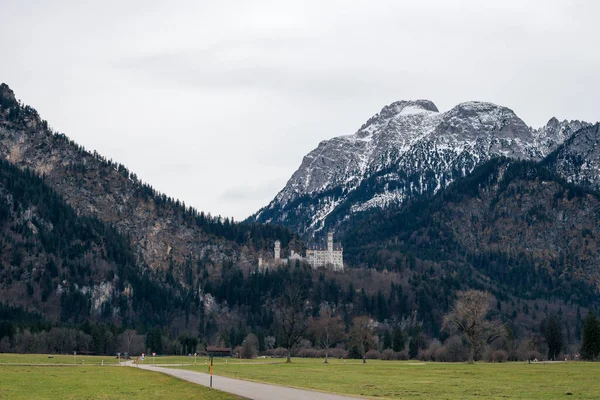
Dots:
(216, 102)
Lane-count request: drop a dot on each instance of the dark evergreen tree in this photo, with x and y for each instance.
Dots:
(387, 340)
(413, 348)
(154, 341)
(590, 346)
(398, 341)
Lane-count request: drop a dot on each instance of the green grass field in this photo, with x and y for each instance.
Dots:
(185, 360)
(408, 380)
(96, 382)
(377, 379)
(9, 358)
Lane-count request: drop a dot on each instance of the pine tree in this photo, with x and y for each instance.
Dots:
(413, 348)
(590, 346)
(387, 340)
(398, 340)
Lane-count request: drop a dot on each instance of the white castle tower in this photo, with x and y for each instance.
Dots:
(277, 254)
(330, 246)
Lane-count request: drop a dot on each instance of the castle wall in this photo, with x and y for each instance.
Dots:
(323, 258)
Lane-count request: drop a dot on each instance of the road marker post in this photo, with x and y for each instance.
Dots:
(211, 371)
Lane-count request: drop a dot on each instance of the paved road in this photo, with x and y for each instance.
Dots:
(250, 390)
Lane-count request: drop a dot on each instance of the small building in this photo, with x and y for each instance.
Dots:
(215, 351)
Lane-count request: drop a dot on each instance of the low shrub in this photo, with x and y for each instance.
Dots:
(279, 352)
(499, 356)
(338, 353)
(373, 355)
(306, 353)
(387, 354)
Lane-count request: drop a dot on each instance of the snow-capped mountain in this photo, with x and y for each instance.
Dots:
(408, 149)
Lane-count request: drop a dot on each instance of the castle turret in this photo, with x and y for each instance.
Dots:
(277, 255)
(330, 247)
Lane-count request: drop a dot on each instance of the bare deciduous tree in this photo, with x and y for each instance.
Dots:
(327, 329)
(290, 317)
(469, 317)
(130, 336)
(361, 336)
(249, 348)
(130, 342)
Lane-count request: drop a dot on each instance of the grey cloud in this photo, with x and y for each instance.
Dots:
(217, 102)
(250, 192)
(206, 70)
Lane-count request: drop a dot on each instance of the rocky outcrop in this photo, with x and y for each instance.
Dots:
(578, 158)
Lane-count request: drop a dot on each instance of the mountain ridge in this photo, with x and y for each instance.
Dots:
(406, 150)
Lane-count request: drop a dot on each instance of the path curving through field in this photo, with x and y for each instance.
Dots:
(250, 390)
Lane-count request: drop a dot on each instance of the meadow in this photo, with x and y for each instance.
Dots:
(202, 360)
(376, 380)
(90, 381)
(406, 380)
(43, 359)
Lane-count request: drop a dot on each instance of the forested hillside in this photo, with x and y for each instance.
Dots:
(70, 267)
(511, 227)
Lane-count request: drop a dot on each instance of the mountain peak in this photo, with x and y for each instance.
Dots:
(553, 122)
(407, 107)
(7, 97)
(395, 110)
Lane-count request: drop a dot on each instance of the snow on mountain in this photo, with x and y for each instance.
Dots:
(408, 149)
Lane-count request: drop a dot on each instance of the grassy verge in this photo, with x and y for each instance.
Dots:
(407, 380)
(93, 382)
(203, 360)
(10, 358)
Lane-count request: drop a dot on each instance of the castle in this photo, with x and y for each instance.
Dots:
(331, 256)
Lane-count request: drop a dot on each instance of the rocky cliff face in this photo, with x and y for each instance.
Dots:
(578, 158)
(406, 150)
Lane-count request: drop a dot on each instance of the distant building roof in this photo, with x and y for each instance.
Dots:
(336, 247)
(215, 349)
